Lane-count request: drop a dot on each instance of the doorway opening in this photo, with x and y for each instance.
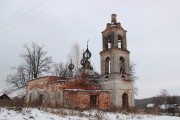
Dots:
(93, 101)
(40, 99)
(125, 103)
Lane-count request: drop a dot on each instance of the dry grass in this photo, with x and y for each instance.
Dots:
(12, 103)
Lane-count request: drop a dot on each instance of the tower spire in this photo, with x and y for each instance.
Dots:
(113, 18)
(87, 43)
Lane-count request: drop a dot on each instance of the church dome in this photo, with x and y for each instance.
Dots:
(71, 66)
(83, 61)
(87, 54)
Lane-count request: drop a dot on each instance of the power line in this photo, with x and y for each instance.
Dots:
(126, 14)
(15, 12)
(90, 17)
(33, 8)
(33, 15)
(23, 14)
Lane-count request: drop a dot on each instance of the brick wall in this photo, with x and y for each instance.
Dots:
(74, 99)
(81, 99)
(69, 94)
(104, 101)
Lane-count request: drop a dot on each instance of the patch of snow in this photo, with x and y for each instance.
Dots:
(150, 105)
(18, 93)
(36, 114)
(166, 106)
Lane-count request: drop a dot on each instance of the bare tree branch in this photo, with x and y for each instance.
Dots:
(60, 69)
(76, 55)
(133, 76)
(35, 63)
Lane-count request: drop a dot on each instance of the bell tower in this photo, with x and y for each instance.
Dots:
(115, 65)
(114, 56)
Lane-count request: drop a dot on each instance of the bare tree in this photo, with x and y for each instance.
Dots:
(164, 94)
(35, 60)
(133, 77)
(60, 69)
(18, 79)
(35, 64)
(75, 55)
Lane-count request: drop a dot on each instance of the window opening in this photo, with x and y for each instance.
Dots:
(122, 65)
(107, 65)
(109, 42)
(119, 41)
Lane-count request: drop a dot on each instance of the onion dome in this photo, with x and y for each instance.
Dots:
(87, 53)
(83, 61)
(86, 56)
(71, 66)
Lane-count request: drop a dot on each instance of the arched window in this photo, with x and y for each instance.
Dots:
(125, 103)
(122, 65)
(109, 42)
(107, 65)
(119, 41)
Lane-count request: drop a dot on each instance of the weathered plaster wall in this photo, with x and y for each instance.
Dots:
(38, 90)
(117, 87)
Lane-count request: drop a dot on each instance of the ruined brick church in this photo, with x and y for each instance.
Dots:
(112, 89)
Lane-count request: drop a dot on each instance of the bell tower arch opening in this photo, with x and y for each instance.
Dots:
(122, 65)
(120, 42)
(109, 42)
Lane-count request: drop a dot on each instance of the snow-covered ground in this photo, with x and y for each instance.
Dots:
(36, 114)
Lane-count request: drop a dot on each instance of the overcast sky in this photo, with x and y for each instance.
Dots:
(153, 35)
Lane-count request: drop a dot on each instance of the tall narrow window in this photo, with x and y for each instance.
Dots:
(109, 42)
(119, 41)
(106, 43)
(107, 65)
(122, 65)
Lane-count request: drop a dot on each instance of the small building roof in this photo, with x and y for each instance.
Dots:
(5, 97)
